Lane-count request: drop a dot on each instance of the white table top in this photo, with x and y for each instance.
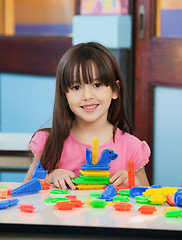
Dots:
(108, 217)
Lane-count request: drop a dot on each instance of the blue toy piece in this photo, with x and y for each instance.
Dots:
(109, 193)
(107, 156)
(178, 198)
(8, 203)
(31, 187)
(89, 156)
(39, 171)
(94, 167)
(156, 186)
(137, 191)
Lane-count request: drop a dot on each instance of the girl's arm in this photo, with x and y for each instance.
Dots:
(31, 169)
(120, 178)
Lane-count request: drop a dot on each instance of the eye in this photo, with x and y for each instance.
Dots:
(97, 85)
(76, 87)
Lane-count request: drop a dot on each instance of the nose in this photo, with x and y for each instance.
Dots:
(87, 92)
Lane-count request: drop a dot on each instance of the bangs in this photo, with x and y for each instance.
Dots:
(85, 66)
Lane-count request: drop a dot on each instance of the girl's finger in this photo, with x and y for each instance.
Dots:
(70, 183)
(62, 183)
(117, 175)
(121, 180)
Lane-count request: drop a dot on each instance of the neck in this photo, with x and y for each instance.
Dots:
(85, 131)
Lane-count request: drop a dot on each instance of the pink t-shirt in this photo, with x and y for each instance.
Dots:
(74, 152)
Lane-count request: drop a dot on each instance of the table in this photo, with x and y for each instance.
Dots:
(86, 222)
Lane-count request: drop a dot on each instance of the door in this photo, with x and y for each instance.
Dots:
(158, 87)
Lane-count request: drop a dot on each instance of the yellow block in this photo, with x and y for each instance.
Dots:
(95, 173)
(89, 186)
(95, 148)
(158, 199)
(170, 209)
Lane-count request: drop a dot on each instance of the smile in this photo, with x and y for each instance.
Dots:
(89, 107)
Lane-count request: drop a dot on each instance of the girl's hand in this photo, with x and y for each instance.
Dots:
(61, 178)
(120, 178)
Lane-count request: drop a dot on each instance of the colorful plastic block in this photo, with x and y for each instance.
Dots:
(137, 191)
(64, 205)
(59, 191)
(71, 196)
(54, 200)
(147, 209)
(157, 199)
(121, 206)
(109, 193)
(98, 203)
(45, 185)
(8, 203)
(142, 199)
(31, 187)
(94, 178)
(174, 213)
(170, 199)
(131, 173)
(121, 198)
(124, 192)
(3, 192)
(90, 186)
(26, 208)
(95, 173)
(78, 180)
(39, 171)
(77, 202)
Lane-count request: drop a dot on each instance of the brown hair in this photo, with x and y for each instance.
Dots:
(76, 64)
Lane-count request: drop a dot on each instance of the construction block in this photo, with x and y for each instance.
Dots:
(30, 187)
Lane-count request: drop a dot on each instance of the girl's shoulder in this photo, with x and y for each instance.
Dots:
(37, 143)
(130, 140)
(40, 136)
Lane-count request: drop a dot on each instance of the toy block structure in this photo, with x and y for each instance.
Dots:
(30, 187)
(95, 174)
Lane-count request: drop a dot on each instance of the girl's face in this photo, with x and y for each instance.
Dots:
(90, 102)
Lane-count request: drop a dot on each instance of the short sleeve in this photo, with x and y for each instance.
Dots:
(141, 157)
(38, 142)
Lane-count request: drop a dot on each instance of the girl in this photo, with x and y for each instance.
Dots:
(89, 102)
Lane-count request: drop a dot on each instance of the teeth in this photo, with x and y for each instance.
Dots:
(90, 107)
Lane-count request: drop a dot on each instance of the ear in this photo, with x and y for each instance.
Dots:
(116, 92)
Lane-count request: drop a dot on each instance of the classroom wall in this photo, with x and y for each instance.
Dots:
(26, 102)
(167, 136)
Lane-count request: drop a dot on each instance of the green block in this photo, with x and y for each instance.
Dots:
(78, 180)
(142, 199)
(124, 192)
(98, 203)
(121, 198)
(94, 177)
(59, 191)
(54, 200)
(174, 213)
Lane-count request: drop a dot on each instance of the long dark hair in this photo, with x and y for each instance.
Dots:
(76, 65)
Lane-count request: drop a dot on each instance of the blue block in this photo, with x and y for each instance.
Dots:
(112, 31)
(31, 187)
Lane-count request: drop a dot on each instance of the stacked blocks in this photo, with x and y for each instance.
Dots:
(95, 176)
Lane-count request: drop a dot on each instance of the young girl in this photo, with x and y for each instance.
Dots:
(89, 102)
